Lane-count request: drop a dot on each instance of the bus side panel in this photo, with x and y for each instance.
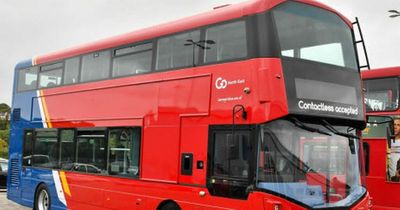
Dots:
(17, 178)
(385, 193)
(160, 154)
(194, 135)
(162, 132)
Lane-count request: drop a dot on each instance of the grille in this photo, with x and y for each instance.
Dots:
(14, 177)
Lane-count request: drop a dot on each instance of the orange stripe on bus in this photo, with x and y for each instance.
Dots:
(65, 183)
(46, 112)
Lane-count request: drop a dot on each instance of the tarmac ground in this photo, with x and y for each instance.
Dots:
(6, 204)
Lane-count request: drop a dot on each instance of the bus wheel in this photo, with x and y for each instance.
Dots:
(170, 206)
(42, 198)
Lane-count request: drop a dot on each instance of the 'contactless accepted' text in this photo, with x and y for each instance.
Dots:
(322, 107)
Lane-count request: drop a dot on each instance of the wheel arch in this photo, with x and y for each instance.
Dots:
(165, 202)
(36, 193)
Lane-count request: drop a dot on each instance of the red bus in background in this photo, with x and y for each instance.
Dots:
(382, 150)
(250, 106)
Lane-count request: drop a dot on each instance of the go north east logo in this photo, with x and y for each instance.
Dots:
(221, 83)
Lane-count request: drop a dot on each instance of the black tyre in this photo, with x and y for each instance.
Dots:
(42, 198)
(170, 206)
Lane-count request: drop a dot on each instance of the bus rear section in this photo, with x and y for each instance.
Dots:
(240, 108)
(381, 140)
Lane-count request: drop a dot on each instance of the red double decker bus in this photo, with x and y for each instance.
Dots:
(251, 106)
(381, 146)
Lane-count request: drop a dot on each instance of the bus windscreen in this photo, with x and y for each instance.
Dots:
(382, 94)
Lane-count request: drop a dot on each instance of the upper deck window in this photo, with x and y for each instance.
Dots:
(314, 34)
(71, 72)
(228, 42)
(96, 66)
(50, 75)
(382, 94)
(27, 79)
(132, 60)
(180, 50)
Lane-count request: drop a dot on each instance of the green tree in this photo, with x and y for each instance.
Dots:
(3, 149)
(5, 135)
(4, 108)
(4, 130)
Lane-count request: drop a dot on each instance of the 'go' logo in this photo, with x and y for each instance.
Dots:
(221, 83)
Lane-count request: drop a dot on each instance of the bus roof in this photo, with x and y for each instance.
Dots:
(381, 72)
(217, 15)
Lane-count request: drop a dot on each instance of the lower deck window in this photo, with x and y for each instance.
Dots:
(123, 152)
(45, 149)
(109, 151)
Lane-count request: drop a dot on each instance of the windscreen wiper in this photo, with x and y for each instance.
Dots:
(329, 126)
(352, 147)
(300, 124)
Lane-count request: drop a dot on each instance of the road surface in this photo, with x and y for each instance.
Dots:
(6, 204)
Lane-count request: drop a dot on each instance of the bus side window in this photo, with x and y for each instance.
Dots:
(91, 150)
(50, 78)
(178, 50)
(231, 155)
(27, 79)
(124, 147)
(229, 42)
(98, 61)
(50, 75)
(27, 150)
(71, 71)
(45, 148)
(67, 152)
(132, 60)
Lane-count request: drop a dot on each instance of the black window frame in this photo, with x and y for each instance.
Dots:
(58, 166)
(261, 41)
(279, 42)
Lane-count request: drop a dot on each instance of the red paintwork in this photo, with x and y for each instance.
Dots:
(132, 193)
(384, 194)
(176, 106)
(382, 72)
(215, 16)
(174, 109)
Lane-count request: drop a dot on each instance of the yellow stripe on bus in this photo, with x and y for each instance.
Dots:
(65, 183)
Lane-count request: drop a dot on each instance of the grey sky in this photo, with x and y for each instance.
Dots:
(30, 28)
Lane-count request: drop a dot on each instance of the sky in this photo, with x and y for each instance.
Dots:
(29, 28)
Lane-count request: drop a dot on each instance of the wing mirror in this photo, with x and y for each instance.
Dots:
(388, 121)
